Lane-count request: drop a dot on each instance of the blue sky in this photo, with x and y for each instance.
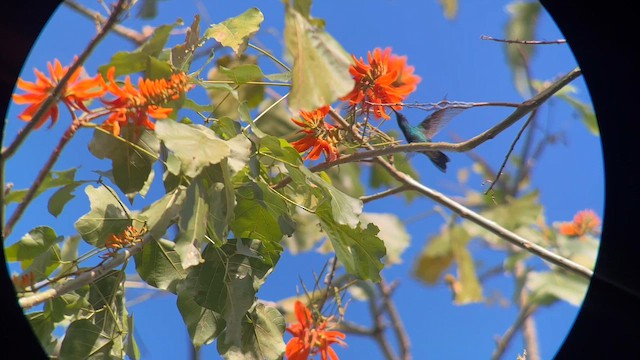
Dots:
(453, 63)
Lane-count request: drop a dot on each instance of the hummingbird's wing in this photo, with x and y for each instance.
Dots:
(438, 119)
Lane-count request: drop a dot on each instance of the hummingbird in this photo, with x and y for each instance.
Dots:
(427, 129)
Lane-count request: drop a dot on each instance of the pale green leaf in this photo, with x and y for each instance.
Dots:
(196, 146)
(392, 232)
(320, 64)
(522, 24)
(436, 257)
(262, 337)
(159, 265)
(82, 340)
(204, 325)
(563, 286)
(236, 32)
(107, 217)
(359, 250)
(34, 243)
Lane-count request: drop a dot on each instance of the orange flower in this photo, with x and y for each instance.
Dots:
(584, 222)
(310, 338)
(135, 105)
(385, 80)
(320, 136)
(74, 95)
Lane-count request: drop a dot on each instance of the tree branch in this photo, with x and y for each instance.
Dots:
(396, 321)
(84, 278)
(128, 33)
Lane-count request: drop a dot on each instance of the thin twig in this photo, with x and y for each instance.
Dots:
(505, 339)
(35, 186)
(368, 198)
(128, 33)
(396, 321)
(525, 42)
(511, 148)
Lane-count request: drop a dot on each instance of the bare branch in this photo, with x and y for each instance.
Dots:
(511, 148)
(84, 278)
(130, 34)
(396, 321)
(383, 194)
(525, 42)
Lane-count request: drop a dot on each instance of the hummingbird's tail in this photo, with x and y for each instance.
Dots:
(438, 158)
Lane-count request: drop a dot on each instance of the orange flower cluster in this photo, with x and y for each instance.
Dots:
(310, 338)
(387, 79)
(75, 93)
(320, 136)
(137, 105)
(131, 105)
(129, 237)
(584, 222)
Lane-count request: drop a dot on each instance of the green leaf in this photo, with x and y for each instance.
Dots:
(107, 217)
(220, 197)
(34, 243)
(227, 98)
(82, 340)
(359, 249)
(44, 264)
(469, 290)
(230, 277)
(204, 325)
(193, 224)
(521, 26)
(157, 41)
(182, 54)
(164, 212)
(226, 127)
(344, 208)
(280, 150)
(107, 294)
(236, 32)
(277, 121)
(320, 64)
(306, 235)
(126, 62)
(69, 253)
(240, 147)
(262, 337)
(243, 73)
(586, 113)
(557, 285)
(261, 214)
(68, 304)
(195, 146)
(392, 232)
(148, 9)
(132, 346)
(61, 197)
(131, 167)
(159, 265)
(346, 178)
(53, 179)
(436, 257)
(42, 327)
